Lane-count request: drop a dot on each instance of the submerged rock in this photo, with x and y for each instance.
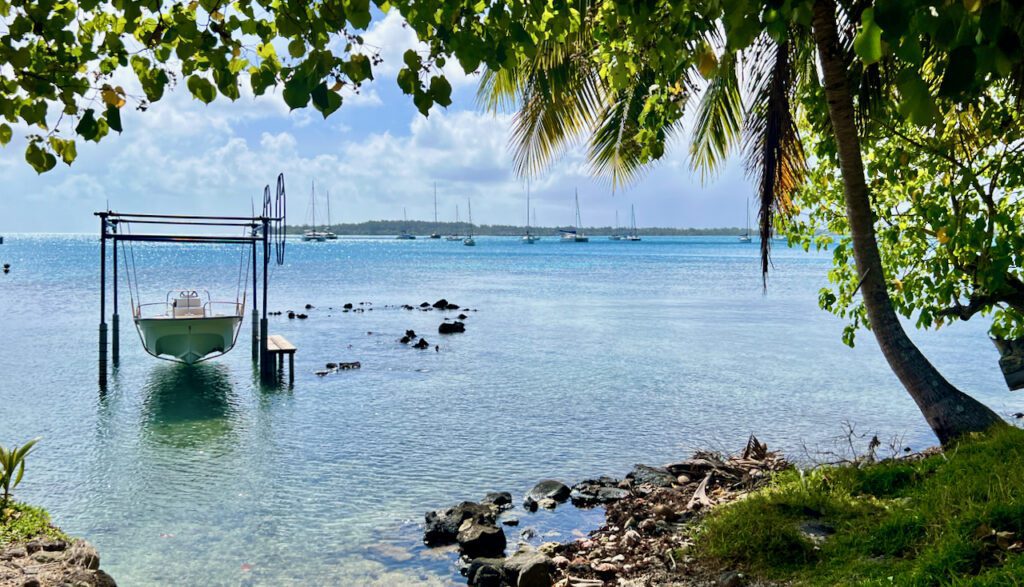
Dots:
(422, 344)
(549, 489)
(502, 499)
(442, 526)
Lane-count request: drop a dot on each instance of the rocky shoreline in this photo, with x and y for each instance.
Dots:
(46, 561)
(648, 517)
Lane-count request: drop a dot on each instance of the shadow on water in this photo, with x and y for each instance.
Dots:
(189, 405)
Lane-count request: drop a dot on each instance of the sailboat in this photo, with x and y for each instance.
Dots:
(528, 238)
(745, 237)
(469, 241)
(615, 236)
(575, 235)
(327, 233)
(313, 235)
(455, 235)
(405, 235)
(435, 234)
(632, 236)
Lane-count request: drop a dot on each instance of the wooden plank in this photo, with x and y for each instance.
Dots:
(279, 344)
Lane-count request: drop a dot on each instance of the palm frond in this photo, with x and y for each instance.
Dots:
(719, 122)
(774, 154)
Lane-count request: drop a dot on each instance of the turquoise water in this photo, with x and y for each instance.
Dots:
(583, 359)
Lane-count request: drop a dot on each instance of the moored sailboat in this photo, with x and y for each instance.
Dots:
(633, 234)
(575, 235)
(313, 235)
(528, 238)
(469, 241)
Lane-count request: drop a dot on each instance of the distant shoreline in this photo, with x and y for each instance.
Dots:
(395, 227)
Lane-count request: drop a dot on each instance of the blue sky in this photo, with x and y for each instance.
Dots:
(376, 156)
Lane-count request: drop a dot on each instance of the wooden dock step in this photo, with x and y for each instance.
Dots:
(280, 346)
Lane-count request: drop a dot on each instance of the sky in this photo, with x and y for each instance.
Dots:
(377, 156)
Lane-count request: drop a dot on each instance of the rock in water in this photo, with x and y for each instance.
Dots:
(477, 538)
(348, 306)
(594, 491)
(485, 572)
(410, 333)
(528, 568)
(451, 327)
(549, 489)
(441, 304)
(501, 499)
(653, 476)
(422, 344)
(442, 527)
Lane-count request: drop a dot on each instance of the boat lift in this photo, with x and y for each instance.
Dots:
(266, 230)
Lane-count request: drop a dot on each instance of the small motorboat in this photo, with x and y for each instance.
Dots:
(186, 328)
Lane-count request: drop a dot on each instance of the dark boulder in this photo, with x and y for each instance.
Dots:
(410, 333)
(404, 340)
(309, 306)
(652, 476)
(501, 499)
(425, 305)
(528, 568)
(442, 526)
(441, 304)
(348, 306)
(463, 316)
(597, 491)
(485, 572)
(451, 327)
(452, 307)
(301, 316)
(479, 538)
(291, 314)
(422, 344)
(549, 489)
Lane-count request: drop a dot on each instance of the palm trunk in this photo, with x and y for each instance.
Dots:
(950, 412)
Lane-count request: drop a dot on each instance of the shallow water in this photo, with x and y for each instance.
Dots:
(582, 360)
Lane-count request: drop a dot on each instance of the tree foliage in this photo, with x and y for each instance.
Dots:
(950, 217)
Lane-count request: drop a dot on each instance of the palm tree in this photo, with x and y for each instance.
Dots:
(560, 99)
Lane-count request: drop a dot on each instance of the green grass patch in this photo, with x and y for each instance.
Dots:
(21, 522)
(951, 519)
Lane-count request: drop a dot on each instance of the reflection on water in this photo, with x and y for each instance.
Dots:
(189, 405)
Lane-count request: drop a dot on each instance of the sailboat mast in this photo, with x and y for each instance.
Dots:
(313, 202)
(527, 205)
(578, 221)
(328, 209)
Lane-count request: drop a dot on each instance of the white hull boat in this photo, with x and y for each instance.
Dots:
(189, 330)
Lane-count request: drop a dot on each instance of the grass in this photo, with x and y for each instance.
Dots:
(952, 519)
(19, 522)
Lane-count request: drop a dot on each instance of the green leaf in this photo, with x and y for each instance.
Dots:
(64, 148)
(40, 159)
(324, 100)
(408, 81)
(87, 125)
(358, 12)
(5, 133)
(423, 102)
(295, 93)
(868, 43)
(297, 48)
(113, 116)
(201, 88)
(358, 68)
(441, 91)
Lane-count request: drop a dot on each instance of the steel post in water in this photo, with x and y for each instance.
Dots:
(266, 362)
(115, 341)
(255, 311)
(103, 300)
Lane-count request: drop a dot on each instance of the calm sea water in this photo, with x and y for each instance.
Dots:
(582, 360)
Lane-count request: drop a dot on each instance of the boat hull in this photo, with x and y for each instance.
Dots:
(188, 340)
